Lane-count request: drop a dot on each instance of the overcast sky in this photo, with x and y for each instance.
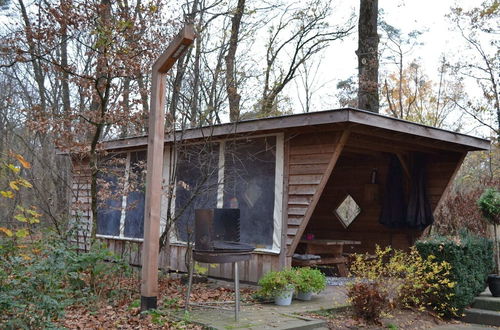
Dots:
(429, 16)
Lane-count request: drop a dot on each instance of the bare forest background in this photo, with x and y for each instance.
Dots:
(75, 73)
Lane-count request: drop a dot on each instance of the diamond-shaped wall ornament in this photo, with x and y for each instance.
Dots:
(348, 210)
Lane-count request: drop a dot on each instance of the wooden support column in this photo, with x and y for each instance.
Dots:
(154, 175)
(339, 146)
(284, 220)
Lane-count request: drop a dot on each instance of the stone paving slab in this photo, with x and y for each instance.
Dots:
(263, 319)
(270, 316)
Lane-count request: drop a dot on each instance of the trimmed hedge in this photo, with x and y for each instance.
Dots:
(471, 260)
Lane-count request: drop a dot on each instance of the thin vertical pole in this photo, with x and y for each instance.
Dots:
(236, 292)
(190, 283)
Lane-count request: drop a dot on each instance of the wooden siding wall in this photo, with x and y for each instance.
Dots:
(250, 271)
(80, 204)
(308, 158)
(352, 172)
(174, 260)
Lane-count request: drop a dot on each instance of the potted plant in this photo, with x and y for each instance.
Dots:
(278, 285)
(489, 204)
(309, 281)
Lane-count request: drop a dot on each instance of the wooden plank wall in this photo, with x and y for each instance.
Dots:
(174, 260)
(351, 174)
(250, 271)
(309, 155)
(80, 204)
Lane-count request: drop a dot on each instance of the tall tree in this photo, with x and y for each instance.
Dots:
(396, 46)
(102, 49)
(411, 95)
(301, 33)
(231, 86)
(368, 56)
(479, 61)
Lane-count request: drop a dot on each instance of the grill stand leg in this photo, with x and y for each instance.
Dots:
(236, 292)
(190, 284)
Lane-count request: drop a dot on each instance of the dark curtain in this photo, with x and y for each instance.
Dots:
(396, 211)
(393, 213)
(419, 214)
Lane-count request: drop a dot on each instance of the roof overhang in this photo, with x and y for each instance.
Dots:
(329, 117)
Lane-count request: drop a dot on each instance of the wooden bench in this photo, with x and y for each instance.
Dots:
(331, 252)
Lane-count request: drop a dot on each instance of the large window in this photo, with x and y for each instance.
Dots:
(237, 173)
(196, 184)
(249, 179)
(242, 173)
(121, 191)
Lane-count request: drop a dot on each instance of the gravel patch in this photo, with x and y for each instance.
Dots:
(338, 281)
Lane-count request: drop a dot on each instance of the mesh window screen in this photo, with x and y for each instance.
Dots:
(109, 196)
(196, 184)
(249, 173)
(134, 215)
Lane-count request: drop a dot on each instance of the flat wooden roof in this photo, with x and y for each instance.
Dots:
(328, 117)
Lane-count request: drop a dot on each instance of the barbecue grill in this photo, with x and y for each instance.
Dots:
(217, 240)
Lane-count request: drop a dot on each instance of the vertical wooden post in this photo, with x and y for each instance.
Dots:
(154, 175)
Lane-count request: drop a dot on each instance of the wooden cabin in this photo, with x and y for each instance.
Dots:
(297, 179)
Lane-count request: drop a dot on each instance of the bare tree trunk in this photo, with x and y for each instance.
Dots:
(400, 87)
(99, 104)
(144, 101)
(37, 69)
(196, 85)
(368, 56)
(231, 86)
(126, 104)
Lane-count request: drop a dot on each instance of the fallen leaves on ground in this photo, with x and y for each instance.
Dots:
(172, 292)
(124, 313)
(398, 319)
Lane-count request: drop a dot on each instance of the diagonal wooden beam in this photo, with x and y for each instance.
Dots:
(447, 189)
(339, 146)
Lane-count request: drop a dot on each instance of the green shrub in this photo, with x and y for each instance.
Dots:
(309, 280)
(276, 281)
(489, 204)
(39, 280)
(470, 258)
(406, 279)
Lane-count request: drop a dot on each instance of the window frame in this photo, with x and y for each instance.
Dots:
(278, 188)
(167, 166)
(123, 210)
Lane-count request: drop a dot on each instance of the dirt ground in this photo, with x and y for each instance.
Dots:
(124, 313)
(397, 319)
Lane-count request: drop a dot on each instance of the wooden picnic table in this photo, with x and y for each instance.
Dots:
(331, 251)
